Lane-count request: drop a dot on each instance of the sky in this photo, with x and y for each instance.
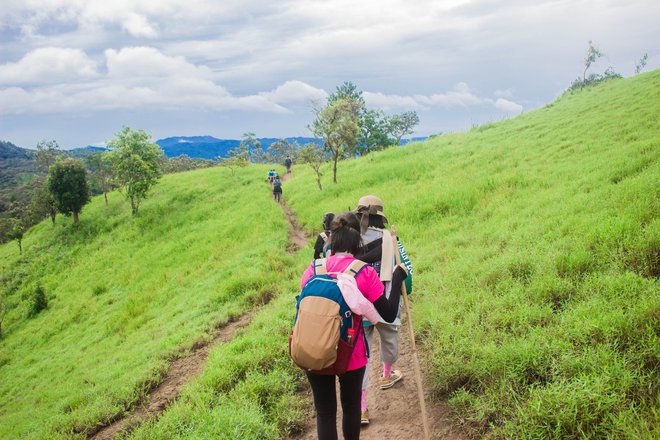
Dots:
(77, 71)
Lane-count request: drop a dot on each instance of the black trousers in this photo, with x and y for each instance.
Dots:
(325, 402)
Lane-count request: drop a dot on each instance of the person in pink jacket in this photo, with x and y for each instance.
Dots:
(345, 242)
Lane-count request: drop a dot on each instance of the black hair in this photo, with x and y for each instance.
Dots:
(327, 220)
(376, 221)
(345, 234)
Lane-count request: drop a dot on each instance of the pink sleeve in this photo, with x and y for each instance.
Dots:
(369, 284)
(307, 275)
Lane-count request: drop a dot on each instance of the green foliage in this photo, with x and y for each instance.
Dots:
(127, 295)
(38, 302)
(593, 54)
(135, 161)
(374, 129)
(239, 157)
(46, 155)
(313, 155)
(402, 124)
(338, 125)
(535, 243)
(67, 183)
(100, 167)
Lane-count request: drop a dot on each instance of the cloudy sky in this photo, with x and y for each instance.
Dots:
(78, 70)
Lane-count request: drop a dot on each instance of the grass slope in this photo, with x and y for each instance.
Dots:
(125, 295)
(536, 244)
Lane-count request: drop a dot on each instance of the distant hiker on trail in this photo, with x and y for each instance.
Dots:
(323, 240)
(271, 176)
(379, 252)
(348, 353)
(277, 189)
(287, 163)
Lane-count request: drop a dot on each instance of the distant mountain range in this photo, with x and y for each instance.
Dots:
(203, 147)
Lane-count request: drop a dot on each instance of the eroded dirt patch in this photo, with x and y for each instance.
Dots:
(180, 372)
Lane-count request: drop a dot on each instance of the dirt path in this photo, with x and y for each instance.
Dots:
(395, 413)
(297, 237)
(181, 371)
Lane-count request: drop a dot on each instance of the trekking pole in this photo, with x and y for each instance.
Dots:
(418, 371)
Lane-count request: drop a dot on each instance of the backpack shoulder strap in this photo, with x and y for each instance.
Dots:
(319, 267)
(355, 268)
(324, 236)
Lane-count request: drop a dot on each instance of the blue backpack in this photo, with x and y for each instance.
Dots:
(323, 335)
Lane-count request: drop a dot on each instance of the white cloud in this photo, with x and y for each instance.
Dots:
(295, 92)
(138, 26)
(49, 65)
(508, 106)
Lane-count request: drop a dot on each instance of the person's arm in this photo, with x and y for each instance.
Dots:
(318, 247)
(388, 309)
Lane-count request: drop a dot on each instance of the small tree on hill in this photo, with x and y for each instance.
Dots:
(239, 157)
(279, 150)
(67, 182)
(641, 64)
(374, 129)
(16, 224)
(135, 163)
(593, 53)
(39, 301)
(338, 125)
(100, 166)
(402, 124)
(313, 155)
(252, 145)
(47, 153)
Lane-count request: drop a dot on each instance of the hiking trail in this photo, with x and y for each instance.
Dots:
(180, 372)
(394, 413)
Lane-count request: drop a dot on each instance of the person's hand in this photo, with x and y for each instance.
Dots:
(400, 273)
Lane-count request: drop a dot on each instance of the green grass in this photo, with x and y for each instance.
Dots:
(125, 295)
(535, 243)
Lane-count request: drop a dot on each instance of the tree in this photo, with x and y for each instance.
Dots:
(279, 150)
(42, 202)
(641, 64)
(313, 155)
(348, 90)
(239, 157)
(16, 224)
(67, 182)
(338, 125)
(47, 153)
(135, 163)
(100, 166)
(253, 146)
(402, 124)
(374, 129)
(593, 53)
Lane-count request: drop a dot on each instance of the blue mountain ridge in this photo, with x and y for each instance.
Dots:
(209, 147)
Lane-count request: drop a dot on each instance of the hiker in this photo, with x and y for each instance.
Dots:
(346, 242)
(277, 189)
(287, 163)
(379, 252)
(271, 176)
(323, 240)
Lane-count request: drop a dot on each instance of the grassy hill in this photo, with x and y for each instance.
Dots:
(127, 295)
(536, 250)
(536, 243)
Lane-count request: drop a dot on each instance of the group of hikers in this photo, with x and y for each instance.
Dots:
(275, 182)
(351, 289)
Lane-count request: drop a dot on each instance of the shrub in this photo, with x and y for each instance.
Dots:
(39, 301)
